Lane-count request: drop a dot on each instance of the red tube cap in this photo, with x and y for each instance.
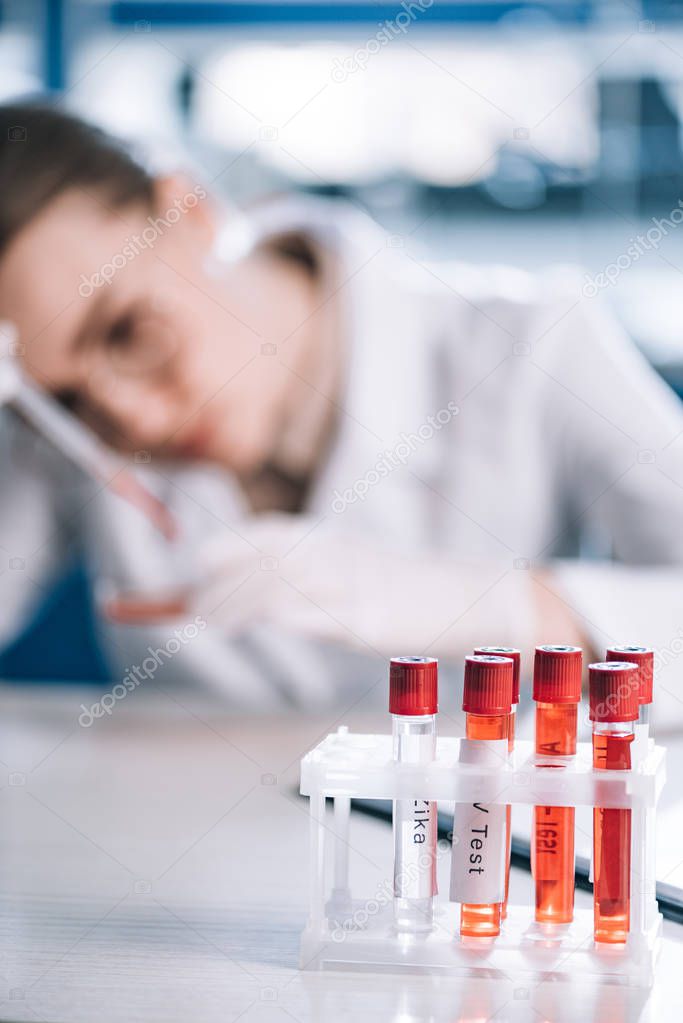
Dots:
(644, 657)
(557, 674)
(613, 688)
(413, 683)
(488, 684)
(514, 655)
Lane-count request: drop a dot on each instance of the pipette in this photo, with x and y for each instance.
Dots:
(80, 445)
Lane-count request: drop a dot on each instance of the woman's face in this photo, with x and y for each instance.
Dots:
(121, 316)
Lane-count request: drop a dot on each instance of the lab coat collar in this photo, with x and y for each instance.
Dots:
(388, 389)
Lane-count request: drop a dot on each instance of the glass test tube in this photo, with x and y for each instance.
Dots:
(413, 683)
(557, 692)
(613, 711)
(516, 657)
(643, 657)
(480, 829)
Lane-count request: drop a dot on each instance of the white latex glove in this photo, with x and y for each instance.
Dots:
(307, 576)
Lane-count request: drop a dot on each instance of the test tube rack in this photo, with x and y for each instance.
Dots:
(343, 933)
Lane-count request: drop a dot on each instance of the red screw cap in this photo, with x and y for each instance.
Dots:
(413, 684)
(613, 689)
(644, 657)
(514, 655)
(557, 674)
(488, 684)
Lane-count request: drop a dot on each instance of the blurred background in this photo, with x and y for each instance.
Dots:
(528, 132)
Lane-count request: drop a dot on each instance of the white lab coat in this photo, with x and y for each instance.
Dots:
(560, 440)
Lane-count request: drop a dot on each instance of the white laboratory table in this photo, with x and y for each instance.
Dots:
(154, 867)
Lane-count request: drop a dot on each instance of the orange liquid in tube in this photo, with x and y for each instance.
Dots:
(613, 711)
(516, 657)
(479, 829)
(557, 692)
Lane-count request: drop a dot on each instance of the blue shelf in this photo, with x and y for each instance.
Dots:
(53, 45)
(183, 15)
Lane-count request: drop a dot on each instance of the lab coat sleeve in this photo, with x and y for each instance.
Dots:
(620, 468)
(619, 431)
(33, 538)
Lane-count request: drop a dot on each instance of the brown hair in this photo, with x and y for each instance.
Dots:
(44, 152)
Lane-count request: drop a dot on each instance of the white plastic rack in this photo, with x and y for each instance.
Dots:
(341, 934)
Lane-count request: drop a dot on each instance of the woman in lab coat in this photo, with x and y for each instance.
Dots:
(365, 452)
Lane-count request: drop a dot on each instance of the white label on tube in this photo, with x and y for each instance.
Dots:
(415, 843)
(479, 835)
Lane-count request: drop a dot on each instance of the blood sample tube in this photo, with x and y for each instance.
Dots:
(643, 861)
(557, 692)
(479, 829)
(613, 692)
(515, 656)
(644, 657)
(413, 685)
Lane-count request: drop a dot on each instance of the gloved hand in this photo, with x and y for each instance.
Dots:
(308, 576)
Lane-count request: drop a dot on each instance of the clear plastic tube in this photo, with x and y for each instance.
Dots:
(479, 920)
(81, 446)
(552, 849)
(415, 830)
(612, 839)
(513, 654)
(508, 816)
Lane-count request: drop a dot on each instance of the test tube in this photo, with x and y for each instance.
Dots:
(644, 657)
(516, 658)
(643, 859)
(479, 829)
(557, 692)
(613, 710)
(413, 684)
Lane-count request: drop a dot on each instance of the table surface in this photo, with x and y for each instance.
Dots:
(154, 866)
